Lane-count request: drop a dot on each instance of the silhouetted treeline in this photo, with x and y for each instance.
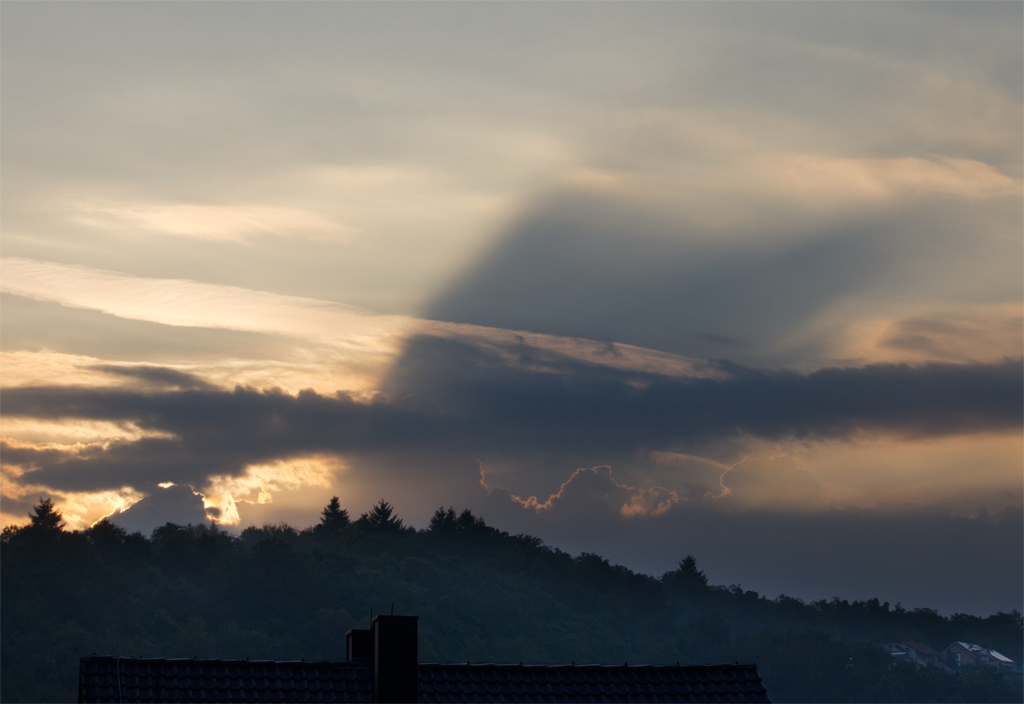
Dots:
(481, 595)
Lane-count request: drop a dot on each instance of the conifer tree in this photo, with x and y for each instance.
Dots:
(381, 518)
(443, 521)
(687, 578)
(333, 518)
(45, 517)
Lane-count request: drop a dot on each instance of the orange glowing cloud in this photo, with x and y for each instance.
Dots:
(597, 483)
(223, 492)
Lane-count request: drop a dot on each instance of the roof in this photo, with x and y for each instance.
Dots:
(109, 679)
(920, 647)
(1000, 657)
(590, 683)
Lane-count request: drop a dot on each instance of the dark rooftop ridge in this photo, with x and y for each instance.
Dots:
(391, 675)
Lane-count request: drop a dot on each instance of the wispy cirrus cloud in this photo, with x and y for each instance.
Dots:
(324, 345)
(217, 222)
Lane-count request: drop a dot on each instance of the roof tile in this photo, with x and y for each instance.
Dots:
(179, 680)
(701, 683)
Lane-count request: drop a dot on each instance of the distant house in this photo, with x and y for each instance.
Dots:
(897, 651)
(917, 653)
(1001, 661)
(382, 666)
(920, 653)
(963, 654)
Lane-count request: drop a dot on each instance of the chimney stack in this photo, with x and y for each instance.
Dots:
(395, 658)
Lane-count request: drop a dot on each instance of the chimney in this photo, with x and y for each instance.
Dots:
(359, 644)
(395, 658)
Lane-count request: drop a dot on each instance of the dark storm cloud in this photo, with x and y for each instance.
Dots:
(591, 269)
(215, 432)
(452, 396)
(597, 407)
(605, 268)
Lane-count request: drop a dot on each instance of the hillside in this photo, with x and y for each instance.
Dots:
(481, 595)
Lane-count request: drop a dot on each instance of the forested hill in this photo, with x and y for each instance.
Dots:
(481, 595)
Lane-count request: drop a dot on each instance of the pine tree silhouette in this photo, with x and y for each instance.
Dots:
(687, 578)
(333, 518)
(380, 518)
(444, 521)
(46, 518)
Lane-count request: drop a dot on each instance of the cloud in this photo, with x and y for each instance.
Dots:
(392, 133)
(156, 376)
(772, 482)
(586, 406)
(69, 432)
(816, 178)
(258, 483)
(460, 398)
(982, 332)
(35, 326)
(264, 340)
(205, 221)
(958, 337)
(190, 303)
(593, 492)
(776, 288)
(171, 504)
(80, 509)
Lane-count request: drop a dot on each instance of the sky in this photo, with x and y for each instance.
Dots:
(737, 280)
